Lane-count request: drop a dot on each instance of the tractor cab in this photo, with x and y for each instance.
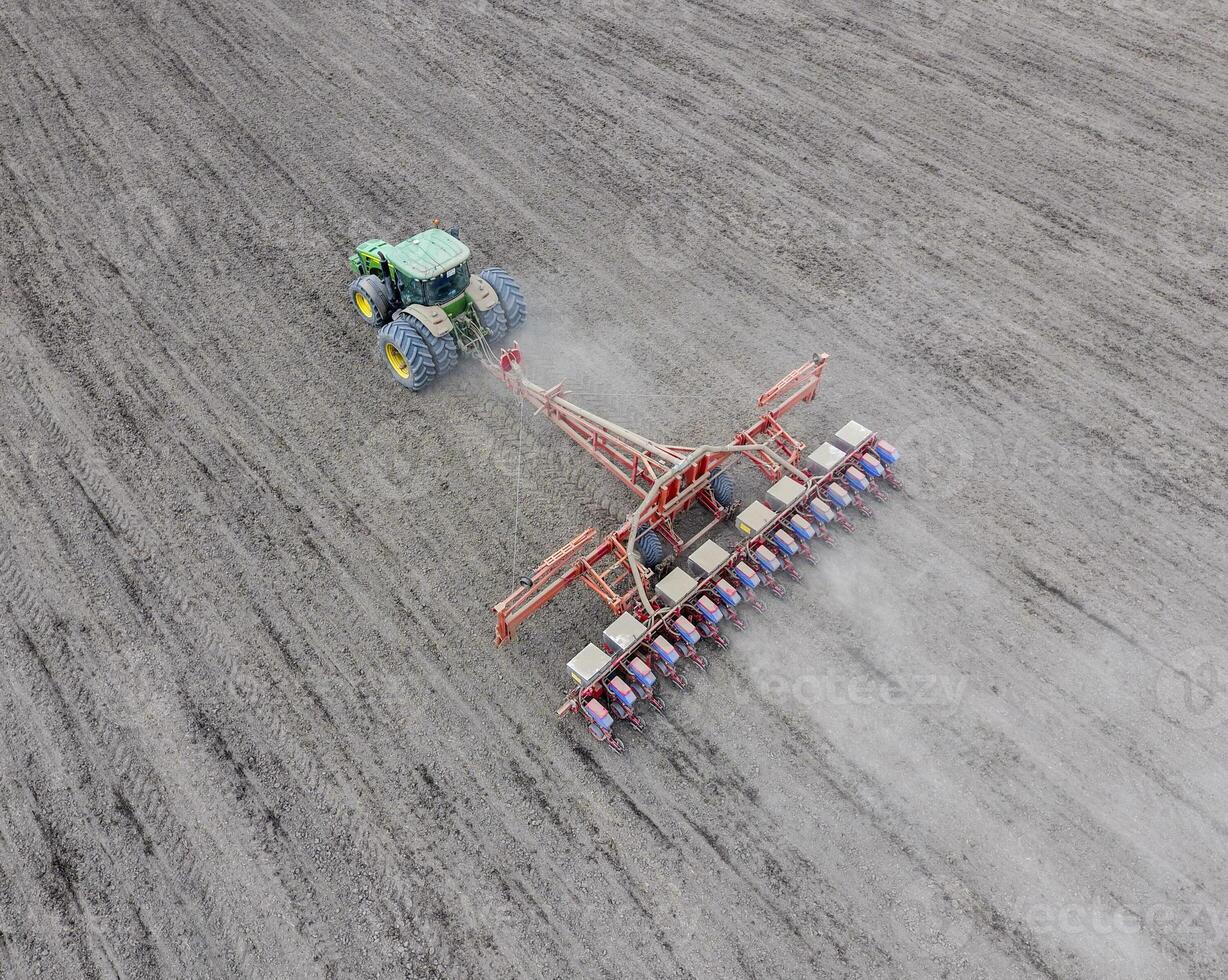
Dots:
(431, 269)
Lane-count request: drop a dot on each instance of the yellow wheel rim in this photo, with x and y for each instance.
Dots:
(364, 305)
(396, 360)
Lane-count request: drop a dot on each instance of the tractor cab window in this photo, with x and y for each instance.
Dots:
(411, 289)
(447, 287)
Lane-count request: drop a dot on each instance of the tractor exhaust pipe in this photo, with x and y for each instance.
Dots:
(394, 286)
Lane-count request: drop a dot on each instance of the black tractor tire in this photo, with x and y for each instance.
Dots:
(510, 296)
(722, 488)
(493, 321)
(651, 549)
(444, 351)
(371, 299)
(406, 353)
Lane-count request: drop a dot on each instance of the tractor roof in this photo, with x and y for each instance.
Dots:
(428, 254)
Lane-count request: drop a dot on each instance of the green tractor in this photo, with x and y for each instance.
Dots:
(427, 306)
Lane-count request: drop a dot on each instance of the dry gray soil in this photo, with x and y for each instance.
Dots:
(253, 722)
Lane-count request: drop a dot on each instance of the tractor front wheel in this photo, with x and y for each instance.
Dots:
(510, 296)
(371, 300)
(405, 352)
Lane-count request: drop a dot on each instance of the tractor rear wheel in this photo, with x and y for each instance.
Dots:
(493, 321)
(371, 300)
(510, 296)
(409, 359)
(443, 350)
